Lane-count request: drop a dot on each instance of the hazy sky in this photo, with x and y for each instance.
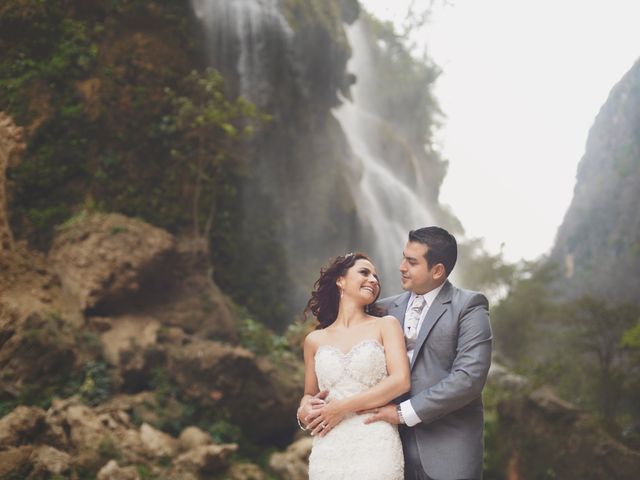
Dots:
(522, 83)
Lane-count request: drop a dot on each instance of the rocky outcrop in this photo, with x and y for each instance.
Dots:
(71, 435)
(30, 462)
(156, 356)
(543, 436)
(21, 426)
(601, 229)
(36, 349)
(103, 260)
(258, 396)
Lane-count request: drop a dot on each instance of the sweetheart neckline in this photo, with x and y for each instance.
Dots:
(356, 345)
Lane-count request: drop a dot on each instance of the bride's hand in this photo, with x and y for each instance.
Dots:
(329, 416)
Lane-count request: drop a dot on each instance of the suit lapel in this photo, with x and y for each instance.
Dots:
(436, 310)
(399, 307)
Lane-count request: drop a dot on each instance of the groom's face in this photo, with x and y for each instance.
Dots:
(415, 274)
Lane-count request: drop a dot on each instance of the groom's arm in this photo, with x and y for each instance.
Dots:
(468, 372)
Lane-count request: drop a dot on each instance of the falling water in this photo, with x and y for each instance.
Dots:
(250, 42)
(245, 34)
(385, 202)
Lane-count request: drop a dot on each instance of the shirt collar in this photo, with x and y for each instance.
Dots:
(429, 297)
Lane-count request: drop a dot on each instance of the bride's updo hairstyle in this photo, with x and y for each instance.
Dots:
(325, 297)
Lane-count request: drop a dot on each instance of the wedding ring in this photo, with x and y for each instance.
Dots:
(323, 425)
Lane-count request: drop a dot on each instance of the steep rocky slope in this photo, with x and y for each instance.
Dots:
(116, 346)
(599, 239)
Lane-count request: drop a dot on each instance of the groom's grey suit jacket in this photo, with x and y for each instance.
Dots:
(448, 371)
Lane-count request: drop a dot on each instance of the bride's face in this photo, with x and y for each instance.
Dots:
(360, 282)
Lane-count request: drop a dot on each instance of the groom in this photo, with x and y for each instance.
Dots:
(449, 346)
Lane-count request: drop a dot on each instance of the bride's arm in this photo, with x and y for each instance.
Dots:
(310, 399)
(396, 383)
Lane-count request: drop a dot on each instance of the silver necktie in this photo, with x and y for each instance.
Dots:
(413, 317)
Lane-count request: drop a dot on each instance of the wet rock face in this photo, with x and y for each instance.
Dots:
(104, 259)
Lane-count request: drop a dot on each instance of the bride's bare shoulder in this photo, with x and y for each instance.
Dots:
(389, 325)
(388, 320)
(314, 339)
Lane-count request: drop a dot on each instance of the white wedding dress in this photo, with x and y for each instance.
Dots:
(353, 450)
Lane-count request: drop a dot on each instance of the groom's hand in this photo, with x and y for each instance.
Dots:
(388, 413)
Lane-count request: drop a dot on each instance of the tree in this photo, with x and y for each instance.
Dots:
(210, 128)
(598, 330)
(484, 271)
(522, 319)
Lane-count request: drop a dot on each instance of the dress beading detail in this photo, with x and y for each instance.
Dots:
(352, 449)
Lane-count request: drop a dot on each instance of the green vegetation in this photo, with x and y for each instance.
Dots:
(206, 125)
(120, 121)
(586, 348)
(254, 336)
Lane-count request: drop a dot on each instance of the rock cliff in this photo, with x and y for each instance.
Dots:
(598, 241)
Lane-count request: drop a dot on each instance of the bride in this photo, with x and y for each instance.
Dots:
(359, 362)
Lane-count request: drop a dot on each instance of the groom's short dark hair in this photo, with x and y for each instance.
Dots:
(443, 247)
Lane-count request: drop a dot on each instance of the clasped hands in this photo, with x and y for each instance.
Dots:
(320, 415)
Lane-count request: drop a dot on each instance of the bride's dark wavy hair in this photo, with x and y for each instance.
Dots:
(325, 297)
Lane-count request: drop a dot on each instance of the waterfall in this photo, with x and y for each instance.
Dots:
(391, 193)
(245, 35)
(319, 186)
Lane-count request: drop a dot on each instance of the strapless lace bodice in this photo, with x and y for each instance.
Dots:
(352, 449)
(345, 374)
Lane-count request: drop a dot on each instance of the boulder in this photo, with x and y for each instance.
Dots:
(544, 436)
(505, 379)
(128, 332)
(104, 259)
(86, 430)
(141, 405)
(245, 471)
(92, 435)
(553, 406)
(15, 463)
(48, 461)
(293, 463)
(156, 443)
(192, 437)
(195, 304)
(112, 471)
(206, 459)
(38, 348)
(21, 426)
(130, 344)
(259, 397)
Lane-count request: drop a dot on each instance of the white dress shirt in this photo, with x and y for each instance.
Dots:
(408, 413)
